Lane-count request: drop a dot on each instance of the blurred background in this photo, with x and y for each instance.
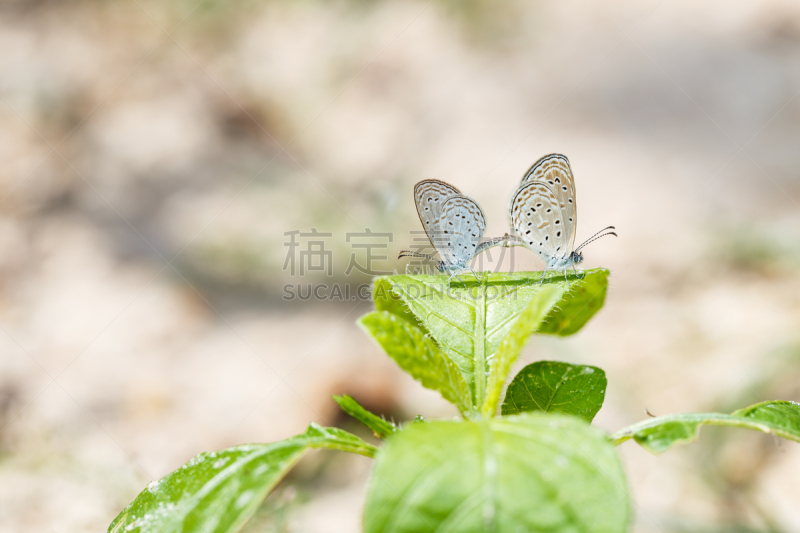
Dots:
(160, 158)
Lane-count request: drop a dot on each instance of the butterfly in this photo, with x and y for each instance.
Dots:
(544, 214)
(454, 224)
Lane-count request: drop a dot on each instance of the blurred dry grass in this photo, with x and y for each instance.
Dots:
(154, 154)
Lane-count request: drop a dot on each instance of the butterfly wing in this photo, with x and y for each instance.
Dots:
(554, 171)
(540, 221)
(429, 197)
(460, 228)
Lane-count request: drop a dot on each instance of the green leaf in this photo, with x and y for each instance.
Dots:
(552, 386)
(418, 355)
(579, 304)
(217, 492)
(661, 433)
(531, 472)
(469, 319)
(378, 425)
(529, 320)
(387, 300)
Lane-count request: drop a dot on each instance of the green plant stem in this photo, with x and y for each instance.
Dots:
(711, 419)
(480, 346)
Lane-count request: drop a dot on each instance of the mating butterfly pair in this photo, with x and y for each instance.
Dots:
(543, 215)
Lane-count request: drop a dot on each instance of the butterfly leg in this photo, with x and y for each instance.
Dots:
(543, 274)
(455, 275)
(565, 275)
(476, 275)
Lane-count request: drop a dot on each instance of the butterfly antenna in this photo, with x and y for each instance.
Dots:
(409, 253)
(595, 237)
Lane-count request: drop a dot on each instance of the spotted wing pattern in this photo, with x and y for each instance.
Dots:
(429, 197)
(459, 230)
(554, 171)
(541, 221)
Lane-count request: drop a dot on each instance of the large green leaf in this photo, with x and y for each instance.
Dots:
(579, 304)
(469, 319)
(661, 433)
(528, 320)
(531, 472)
(217, 492)
(552, 386)
(418, 355)
(380, 427)
(387, 300)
